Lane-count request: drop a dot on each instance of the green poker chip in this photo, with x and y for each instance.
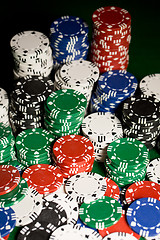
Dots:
(34, 142)
(101, 213)
(15, 196)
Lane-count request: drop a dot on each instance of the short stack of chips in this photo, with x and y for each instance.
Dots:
(113, 87)
(111, 38)
(27, 102)
(4, 106)
(64, 112)
(33, 146)
(69, 39)
(32, 54)
(7, 144)
(141, 119)
(127, 161)
(73, 154)
(79, 75)
(101, 128)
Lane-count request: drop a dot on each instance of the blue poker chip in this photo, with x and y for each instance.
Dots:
(7, 221)
(143, 216)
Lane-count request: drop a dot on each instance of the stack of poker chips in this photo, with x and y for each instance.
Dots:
(113, 87)
(32, 54)
(101, 128)
(79, 75)
(33, 146)
(69, 39)
(7, 144)
(64, 112)
(141, 119)
(4, 106)
(127, 161)
(73, 154)
(27, 102)
(111, 38)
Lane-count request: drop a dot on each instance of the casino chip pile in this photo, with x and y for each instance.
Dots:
(69, 39)
(32, 54)
(113, 87)
(127, 161)
(80, 75)
(141, 116)
(4, 106)
(33, 146)
(27, 102)
(64, 112)
(73, 154)
(101, 128)
(111, 38)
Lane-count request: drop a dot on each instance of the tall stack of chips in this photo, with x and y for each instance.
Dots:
(32, 54)
(111, 38)
(69, 39)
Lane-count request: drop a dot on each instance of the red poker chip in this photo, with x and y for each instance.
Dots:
(9, 178)
(142, 189)
(44, 178)
(112, 189)
(118, 227)
(111, 17)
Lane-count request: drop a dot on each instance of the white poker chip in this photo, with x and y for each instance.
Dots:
(4, 101)
(68, 232)
(29, 208)
(86, 187)
(119, 236)
(102, 127)
(153, 170)
(150, 85)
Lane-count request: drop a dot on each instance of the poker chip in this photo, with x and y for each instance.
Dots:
(76, 231)
(112, 189)
(138, 213)
(4, 106)
(33, 146)
(64, 112)
(113, 87)
(100, 213)
(32, 54)
(153, 170)
(44, 178)
(7, 221)
(86, 187)
(142, 189)
(69, 39)
(73, 154)
(101, 128)
(127, 160)
(140, 116)
(15, 196)
(29, 208)
(27, 100)
(111, 37)
(120, 236)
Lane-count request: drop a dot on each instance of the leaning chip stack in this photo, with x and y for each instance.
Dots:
(64, 112)
(33, 146)
(73, 154)
(4, 106)
(141, 119)
(69, 39)
(113, 87)
(101, 128)
(80, 75)
(27, 102)
(32, 54)
(127, 161)
(111, 38)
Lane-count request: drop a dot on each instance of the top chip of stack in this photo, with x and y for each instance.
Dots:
(69, 39)
(111, 38)
(32, 54)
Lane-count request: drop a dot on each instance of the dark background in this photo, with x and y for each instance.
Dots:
(17, 16)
